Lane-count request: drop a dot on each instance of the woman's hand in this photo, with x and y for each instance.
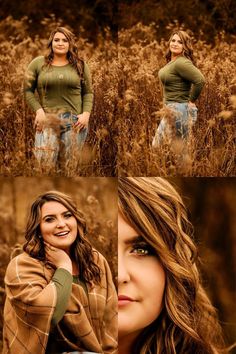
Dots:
(191, 104)
(58, 257)
(40, 119)
(83, 120)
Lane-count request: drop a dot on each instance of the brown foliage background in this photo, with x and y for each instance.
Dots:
(95, 197)
(212, 210)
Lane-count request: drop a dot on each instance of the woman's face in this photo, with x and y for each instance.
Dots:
(58, 225)
(141, 282)
(60, 44)
(176, 45)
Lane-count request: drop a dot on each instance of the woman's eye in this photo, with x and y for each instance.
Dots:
(68, 215)
(49, 219)
(142, 250)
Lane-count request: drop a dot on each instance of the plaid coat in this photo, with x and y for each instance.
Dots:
(90, 322)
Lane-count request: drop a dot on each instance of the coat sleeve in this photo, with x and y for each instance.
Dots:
(110, 319)
(30, 302)
(27, 285)
(87, 90)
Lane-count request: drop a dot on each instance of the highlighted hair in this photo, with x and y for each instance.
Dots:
(188, 322)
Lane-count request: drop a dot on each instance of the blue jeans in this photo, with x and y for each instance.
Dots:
(180, 119)
(48, 141)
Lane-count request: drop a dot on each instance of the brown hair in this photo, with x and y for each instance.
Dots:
(72, 54)
(82, 251)
(187, 45)
(188, 322)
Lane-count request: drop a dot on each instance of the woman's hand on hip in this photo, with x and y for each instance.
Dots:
(83, 121)
(191, 104)
(40, 119)
(58, 257)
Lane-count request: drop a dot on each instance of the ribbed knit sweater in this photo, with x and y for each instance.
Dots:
(181, 80)
(60, 89)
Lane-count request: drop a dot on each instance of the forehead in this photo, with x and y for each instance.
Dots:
(52, 208)
(125, 230)
(177, 37)
(59, 35)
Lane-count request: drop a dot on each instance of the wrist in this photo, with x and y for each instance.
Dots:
(67, 267)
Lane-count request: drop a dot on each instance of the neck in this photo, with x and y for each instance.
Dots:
(60, 59)
(173, 57)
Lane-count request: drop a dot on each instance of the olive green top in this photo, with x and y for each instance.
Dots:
(63, 282)
(181, 80)
(59, 88)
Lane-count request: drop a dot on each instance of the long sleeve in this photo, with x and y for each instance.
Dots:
(87, 90)
(188, 71)
(30, 83)
(63, 282)
(110, 319)
(30, 302)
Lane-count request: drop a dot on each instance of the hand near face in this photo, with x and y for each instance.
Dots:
(58, 257)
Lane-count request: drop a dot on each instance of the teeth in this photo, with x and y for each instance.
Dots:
(62, 233)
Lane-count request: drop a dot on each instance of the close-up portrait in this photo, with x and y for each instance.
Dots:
(176, 288)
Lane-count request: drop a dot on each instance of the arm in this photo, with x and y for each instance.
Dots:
(189, 72)
(87, 99)
(63, 282)
(87, 90)
(110, 319)
(30, 84)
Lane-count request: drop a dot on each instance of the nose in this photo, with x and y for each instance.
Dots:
(60, 222)
(123, 272)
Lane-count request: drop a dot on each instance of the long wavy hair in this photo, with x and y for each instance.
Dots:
(72, 54)
(188, 322)
(187, 45)
(81, 251)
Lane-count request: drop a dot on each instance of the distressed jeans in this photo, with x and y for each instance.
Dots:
(183, 117)
(49, 141)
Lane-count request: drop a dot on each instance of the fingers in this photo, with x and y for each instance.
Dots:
(50, 247)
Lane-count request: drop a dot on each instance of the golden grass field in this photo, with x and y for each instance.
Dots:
(17, 121)
(210, 150)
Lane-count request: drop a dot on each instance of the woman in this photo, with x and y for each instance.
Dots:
(163, 308)
(181, 84)
(65, 94)
(59, 292)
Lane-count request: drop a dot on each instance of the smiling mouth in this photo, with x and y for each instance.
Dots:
(62, 234)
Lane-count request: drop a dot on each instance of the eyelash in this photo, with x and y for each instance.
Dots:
(148, 250)
(64, 40)
(66, 216)
(173, 40)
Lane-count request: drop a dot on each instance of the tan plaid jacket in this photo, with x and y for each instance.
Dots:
(90, 322)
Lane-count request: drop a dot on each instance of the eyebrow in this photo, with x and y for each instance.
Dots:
(134, 239)
(50, 215)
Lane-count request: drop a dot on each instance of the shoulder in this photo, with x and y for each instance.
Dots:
(37, 62)
(183, 62)
(100, 260)
(24, 264)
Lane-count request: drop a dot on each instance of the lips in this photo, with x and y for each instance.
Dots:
(62, 233)
(124, 300)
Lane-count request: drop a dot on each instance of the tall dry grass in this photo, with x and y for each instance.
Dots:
(17, 49)
(210, 150)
